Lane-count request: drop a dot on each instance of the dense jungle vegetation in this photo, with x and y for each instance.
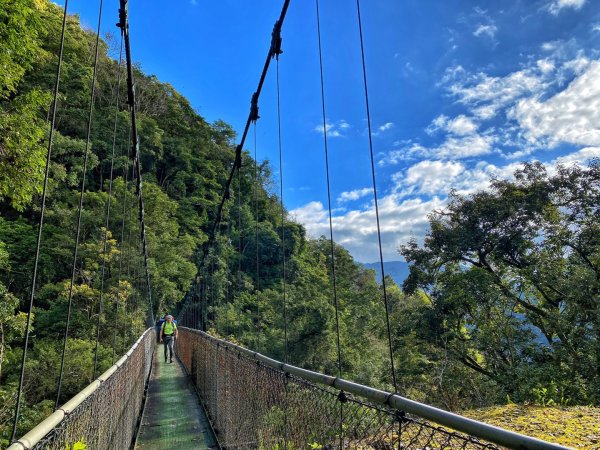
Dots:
(501, 304)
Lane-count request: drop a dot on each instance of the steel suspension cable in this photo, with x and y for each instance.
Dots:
(383, 282)
(138, 282)
(277, 42)
(333, 277)
(212, 293)
(229, 284)
(283, 278)
(204, 301)
(110, 186)
(125, 153)
(80, 209)
(41, 224)
(130, 205)
(216, 254)
(257, 285)
(239, 199)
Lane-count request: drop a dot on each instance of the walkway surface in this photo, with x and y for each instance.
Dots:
(173, 417)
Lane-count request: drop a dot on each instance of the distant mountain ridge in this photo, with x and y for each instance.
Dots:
(398, 270)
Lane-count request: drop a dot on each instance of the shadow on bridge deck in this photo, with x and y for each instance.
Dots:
(173, 417)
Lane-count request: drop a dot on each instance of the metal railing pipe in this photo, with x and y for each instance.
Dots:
(474, 428)
(53, 420)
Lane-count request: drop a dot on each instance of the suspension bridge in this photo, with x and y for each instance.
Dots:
(218, 394)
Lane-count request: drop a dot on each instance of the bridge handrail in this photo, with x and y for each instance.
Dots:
(481, 430)
(40, 431)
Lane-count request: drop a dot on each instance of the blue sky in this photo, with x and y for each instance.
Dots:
(459, 91)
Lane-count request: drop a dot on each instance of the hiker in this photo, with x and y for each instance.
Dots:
(168, 334)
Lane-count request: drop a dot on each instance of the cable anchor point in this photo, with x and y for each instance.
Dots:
(276, 41)
(254, 108)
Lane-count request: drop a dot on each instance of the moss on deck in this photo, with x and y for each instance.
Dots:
(172, 418)
(577, 427)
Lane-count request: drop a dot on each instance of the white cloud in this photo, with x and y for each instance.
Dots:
(545, 65)
(580, 157)
(428, 178)
(551, 100)
(320, 128)
(354, 195)
(343, 125)
(394, 157)
(408, 70)
(576, 65)
(570, 116)
(453, 147)
(556, 6)
(335, 129)
(418, 191)
(386, 126)
(486, 30)
(549, 46)
(312, 212)
(401, 218)
(356, 230)
(457, 147)
(485, 94)
(460, 125)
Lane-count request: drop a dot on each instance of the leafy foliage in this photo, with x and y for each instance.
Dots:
(513, 277)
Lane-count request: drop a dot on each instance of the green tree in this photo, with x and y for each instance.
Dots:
(512, 274)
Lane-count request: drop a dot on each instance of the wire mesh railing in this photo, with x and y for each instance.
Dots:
(255, 402)
(105, 414)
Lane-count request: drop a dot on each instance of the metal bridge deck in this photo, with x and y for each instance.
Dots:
(173, 417)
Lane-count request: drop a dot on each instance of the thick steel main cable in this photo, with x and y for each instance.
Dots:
(108, 202)
(41, 224)
(333, 277)
(383, 282)
(124, 26)
(238, 151)
(77, 234)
